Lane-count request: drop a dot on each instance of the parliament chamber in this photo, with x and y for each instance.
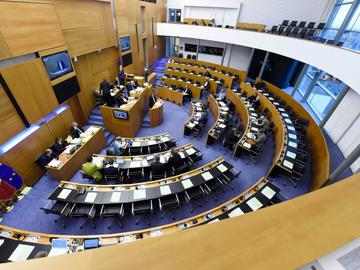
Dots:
(172, 134)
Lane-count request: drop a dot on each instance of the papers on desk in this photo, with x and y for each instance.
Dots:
(292, 136)
(268, 192)
(288, 164)
(165, 190)
(144, 163)
(291, 128)
(5, 233)
(85, 134)
(236, 212)
(32, 238)
(64, 194)
(181, 154)
(255, 129)
(281, 110)
(251, 109)
(156, 233)
(287, 120)
(247, 145)
(222, 168)
(215, 220)
(276, 104)
(190, 151)
(253, 114)
(21, 253)
(164, 139)
(187, 183)
(120, 160)
(270, 98)
(207, 176)
(292, 144)
(198, 114)
(222, 126)
(139, 194)
(191, 125)
(291, 154)
(55, 163)
(285, 114)
(115, 197)
(135, 164)
(69, 149)
(126, 238)
(254, 204)
(58, 247)
(98, 161)
(136, 144)
(151, 142)
(90, 197)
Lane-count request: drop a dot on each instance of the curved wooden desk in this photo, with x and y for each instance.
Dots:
(320, 157)
(219, 127)
(195, 89)
(126, 120)
(156, 113)
(168, 94)
(238, 75)
(192, 76)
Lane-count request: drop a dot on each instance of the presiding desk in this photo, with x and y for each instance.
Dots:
(220, 111)
(91, 141)
(126, 120)
(156, 113)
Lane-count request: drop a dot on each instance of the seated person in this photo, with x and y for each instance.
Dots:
(105, 91)
(111, 168)
(152, 100)
(117, 82)
(207, 74)
(59, 145)
(121, 99)
(254, 99)
(76, 130)
(120, 146)
(231, 106)
(175, 160)
(202, 119)
(244, 93)
(222, 94)
(263, 123)
(46, 157)
(260, 137)
(213, 23)
(91, 169)
(231, 137)
(131, 86)
(157, 168)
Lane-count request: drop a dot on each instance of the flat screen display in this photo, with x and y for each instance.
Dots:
(127, 59)
(190, 47)
(57, 64)
(121, 115)
(211, 50)
(125, 43)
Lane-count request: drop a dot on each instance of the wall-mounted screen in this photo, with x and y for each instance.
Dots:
(57, 64)
(211, 50)
(125, 43)
(190, 47)
(127, 59)
(121, 115)
(66, 89)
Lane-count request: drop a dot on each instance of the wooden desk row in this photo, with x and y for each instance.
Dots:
(251, 26)
(195, 77)
(70, 163)
(171, 95)
(126, 120)
(196, 111)
(216, 76)
(195, 90)
(199, 21)
(238, 74)
(220, 114)
(258, 196)
(320, 157)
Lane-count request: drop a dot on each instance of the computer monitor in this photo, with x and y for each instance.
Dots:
(57, 64)
(91, 243)
(125, 43)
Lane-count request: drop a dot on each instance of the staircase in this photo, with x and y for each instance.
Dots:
(96, 119)
(159, 67)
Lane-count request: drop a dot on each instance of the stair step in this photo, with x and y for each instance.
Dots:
(96, 123)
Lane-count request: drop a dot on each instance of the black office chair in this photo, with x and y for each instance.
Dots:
(155, 148)
(310, 34)
(285, 23)
(158, 176)
(273, 29)
(293, 23)
(212, 186)
(296, 174)
(167, 203)
(84, 210)
(287, 31)
(311, 25)
(302, 33)
(280, 30)
(181, 55)
(136, 174)
(302, 24)
(194, 57)
(115, 211)
(188, 56)
(135, 151)
(58, 208)
(194, 194)
(144, 208)
(114, 178)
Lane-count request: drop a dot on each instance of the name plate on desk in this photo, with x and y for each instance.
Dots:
(121, 115)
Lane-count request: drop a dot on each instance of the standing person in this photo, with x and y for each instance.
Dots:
(146, 73)
(122, 75)
(152, 100)
(105, 90)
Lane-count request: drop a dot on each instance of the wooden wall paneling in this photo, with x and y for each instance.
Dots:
(10, 121)
(22, 157)
(78, 14)
(4, 50)
(29, 27)
(31, 87)
(76, 110)
(59, 126)
(108, 23)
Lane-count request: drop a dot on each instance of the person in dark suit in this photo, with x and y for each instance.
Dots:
(122, 75)
(231, 138)
(110, 168)
(175, 160)
(59, 145)
(152, 100)
(76, 130)
(105, 90)
(46, 157)
(157, 168)
(121, 100)
(188, 93)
